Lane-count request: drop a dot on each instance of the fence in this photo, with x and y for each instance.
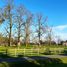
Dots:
(24, 52)
(31, 52)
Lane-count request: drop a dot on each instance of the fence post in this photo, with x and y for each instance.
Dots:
(31, 51)
(15, 52)
(24, 51)
(6, 51)
(18, 48)
(38, 51)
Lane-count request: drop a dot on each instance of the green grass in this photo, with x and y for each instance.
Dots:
(33, 50)
(51, 62)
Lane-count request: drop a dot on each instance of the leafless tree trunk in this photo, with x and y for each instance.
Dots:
(39, 18)
(8, 15)
(1, 16)
(27, 28)
(20, 21)
(41, 26)
(39, 30)
(49, 35)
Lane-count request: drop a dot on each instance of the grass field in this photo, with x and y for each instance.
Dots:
(34, 50)
(14, 56)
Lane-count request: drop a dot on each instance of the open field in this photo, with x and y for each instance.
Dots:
(43, 56)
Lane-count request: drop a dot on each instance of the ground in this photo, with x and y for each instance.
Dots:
(30, 60)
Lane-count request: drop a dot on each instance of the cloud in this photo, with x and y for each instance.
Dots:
(60, 31)
(60, 27)
(63, 35)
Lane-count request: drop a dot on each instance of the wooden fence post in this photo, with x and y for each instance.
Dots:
(31, 51)
(24, 51)
(38, 51)
(15, 52)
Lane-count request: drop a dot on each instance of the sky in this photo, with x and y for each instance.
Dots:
(56, 10)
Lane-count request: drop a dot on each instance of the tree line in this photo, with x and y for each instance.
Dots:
(23, 26)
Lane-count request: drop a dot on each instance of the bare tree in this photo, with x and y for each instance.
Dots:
(8, 15)
(49, 35)
(41, 26)
(20, 21)
(27, 27)
(2, 19)
(58, 39)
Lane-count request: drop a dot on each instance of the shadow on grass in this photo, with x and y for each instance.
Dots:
(64, 53)
(34, 61)
(3, 55)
